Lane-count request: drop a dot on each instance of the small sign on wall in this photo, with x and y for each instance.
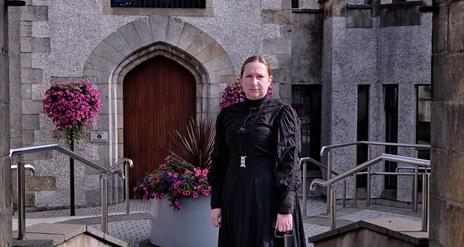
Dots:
(99, 136)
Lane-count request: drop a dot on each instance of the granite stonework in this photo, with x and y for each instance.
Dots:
(306, 48)
(308, 4)
(447, 197)
(371, 56)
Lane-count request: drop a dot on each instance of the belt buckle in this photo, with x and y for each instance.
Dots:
(242, 161)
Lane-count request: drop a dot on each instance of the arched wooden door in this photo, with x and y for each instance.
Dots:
(159, 97)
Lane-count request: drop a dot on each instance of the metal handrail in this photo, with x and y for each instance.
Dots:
(125, 175)
(426, 169)
(326, 150)
(48, 147)
(385, 157)
(367, 164)
(27, 167)
(302, 164)
(104, 173)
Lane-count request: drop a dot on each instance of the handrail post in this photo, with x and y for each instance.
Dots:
(414, 190)
(368, 182)
(344, 194)
(333, 208)
(21, 177)
(368, 189)
(355, 176)
(126, 182)
(304, 188)
(425, 192)
(104, 201)
(329, 174)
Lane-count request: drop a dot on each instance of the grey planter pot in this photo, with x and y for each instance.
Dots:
(189, 226)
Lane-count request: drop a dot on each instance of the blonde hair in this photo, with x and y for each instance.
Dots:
(260, 59)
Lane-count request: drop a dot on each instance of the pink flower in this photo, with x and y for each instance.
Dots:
(178, 204)
(72, 105)
(174, 181)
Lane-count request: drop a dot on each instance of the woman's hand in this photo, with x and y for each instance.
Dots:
(284, 222)
(216, 217)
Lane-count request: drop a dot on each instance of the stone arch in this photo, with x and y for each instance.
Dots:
(142, 39)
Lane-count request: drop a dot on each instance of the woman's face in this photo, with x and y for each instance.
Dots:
(255, 80)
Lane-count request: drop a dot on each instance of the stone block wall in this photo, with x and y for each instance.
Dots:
(447, 195)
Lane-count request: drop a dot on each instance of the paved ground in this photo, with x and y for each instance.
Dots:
(135, 228)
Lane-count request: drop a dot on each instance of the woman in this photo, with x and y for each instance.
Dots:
(255, 173)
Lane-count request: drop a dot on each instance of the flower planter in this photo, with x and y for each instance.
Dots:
(189, 226)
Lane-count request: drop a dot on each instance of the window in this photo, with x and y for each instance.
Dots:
(362, 131)
(306, 100)
(391, 131)
(159, 3)
(294, 4)
(423, 118)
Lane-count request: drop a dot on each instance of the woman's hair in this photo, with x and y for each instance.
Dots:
(260, 59)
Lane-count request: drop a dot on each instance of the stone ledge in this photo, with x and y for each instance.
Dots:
(48, 234)
(396, 228)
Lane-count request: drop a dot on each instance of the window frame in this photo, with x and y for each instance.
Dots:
(144, 11)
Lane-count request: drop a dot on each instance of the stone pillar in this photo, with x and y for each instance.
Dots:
(447, 193)
(5, 172)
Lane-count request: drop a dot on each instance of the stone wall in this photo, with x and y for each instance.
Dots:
(447, 195)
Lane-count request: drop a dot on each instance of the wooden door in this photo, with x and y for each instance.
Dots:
(159, 97)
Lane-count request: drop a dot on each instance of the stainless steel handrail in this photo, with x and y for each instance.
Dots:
(424, 169)
(326, 150)
(367, 164)
(27, 167)
(125, 175)
(303, 164)
(104, 173)
(56, 147)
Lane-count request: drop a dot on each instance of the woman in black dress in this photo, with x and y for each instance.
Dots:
(255, 172)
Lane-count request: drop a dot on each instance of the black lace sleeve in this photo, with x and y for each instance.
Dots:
(219, 164)
(288, 156)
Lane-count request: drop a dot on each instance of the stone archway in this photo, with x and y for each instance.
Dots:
(138, 41)
(141, 40)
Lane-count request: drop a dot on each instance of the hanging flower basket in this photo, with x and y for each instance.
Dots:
(72, 106)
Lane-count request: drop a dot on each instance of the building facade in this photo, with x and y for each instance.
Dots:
(353, 70)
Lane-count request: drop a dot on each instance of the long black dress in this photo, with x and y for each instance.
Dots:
(255, 173)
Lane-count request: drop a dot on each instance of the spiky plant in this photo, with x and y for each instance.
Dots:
(197, 142)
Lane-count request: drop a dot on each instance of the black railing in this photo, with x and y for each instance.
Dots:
(194, 4)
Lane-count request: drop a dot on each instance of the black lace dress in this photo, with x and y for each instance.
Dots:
(255, 173)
